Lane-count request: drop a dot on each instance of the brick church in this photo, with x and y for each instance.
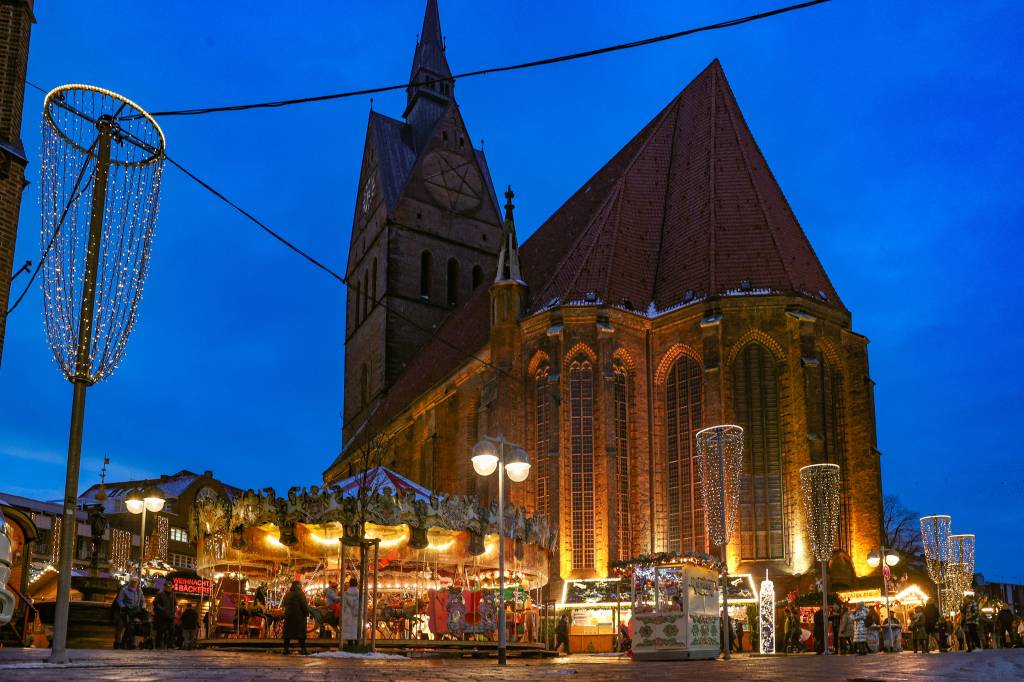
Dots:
(674, 290)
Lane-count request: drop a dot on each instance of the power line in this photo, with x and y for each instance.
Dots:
(497, 69)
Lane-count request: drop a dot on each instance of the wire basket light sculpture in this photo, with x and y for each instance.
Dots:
(960, 570)
(103, 160)
(821, 487)
(720, 460)
(766, 616)
(935, 531)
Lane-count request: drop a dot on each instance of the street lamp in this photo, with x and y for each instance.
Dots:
(891, 559)
(137, 502)
(508, 458)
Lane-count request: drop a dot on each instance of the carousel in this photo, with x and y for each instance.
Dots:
(426, 565)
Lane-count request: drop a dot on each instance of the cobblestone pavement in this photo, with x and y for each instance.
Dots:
(140, 666)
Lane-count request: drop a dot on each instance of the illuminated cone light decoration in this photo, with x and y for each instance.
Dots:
(766, 612)
(960, 570)
(935, 531)
(720, 454)
(103, 159)
(820, 485)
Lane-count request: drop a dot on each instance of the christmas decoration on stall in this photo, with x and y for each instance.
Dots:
(102, 163)
(160, 537)
(820, 487)
(935, 531)
(960, 570)
(720, 459)
(661, 558)
(766, 615)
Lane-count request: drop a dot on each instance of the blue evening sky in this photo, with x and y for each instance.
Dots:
(893, 128)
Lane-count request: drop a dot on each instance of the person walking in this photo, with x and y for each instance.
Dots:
(296, 611)
(969, 615)
(833, 621)
(350, 613)
(189, 627)
(562, 636)
(931, 620)
(738, 627)
(163, 617)
(860, 629)
(919, 631)
(819, 632)
(129, 603)
(846, 631)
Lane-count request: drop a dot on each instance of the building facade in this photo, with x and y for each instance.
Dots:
(16, 21)
(673, 291)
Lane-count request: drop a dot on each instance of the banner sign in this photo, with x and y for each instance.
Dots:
(196, 586)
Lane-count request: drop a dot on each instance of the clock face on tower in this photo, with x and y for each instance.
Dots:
(453, 181)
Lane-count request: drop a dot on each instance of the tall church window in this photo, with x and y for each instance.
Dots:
(425, 263)
(373, 283)
(834, 440)
(359, 301)
(368, 303)
(687, 530)
(621, 417)
(756, 403)
(478, 276)
(453, 281)
(542, 437)
(581, 417)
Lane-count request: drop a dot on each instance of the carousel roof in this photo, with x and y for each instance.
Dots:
(377, 479)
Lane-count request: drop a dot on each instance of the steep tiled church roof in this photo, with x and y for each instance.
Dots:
(688, 208)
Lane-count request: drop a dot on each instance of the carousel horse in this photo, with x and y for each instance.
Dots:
(456, 612)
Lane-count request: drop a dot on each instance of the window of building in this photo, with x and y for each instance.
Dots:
(687, 530)
(581, 416)
(756, 403)
(834, 439)
(425, 262)
(453, 281)
(364, 384)
(621, 416)
(368, 303)
(478, 276)
(179, 534)
(182, 561)
(373, 283)
(359, 302)
(542, 437)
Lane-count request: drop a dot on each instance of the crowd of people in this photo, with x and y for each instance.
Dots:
(167, 626)
(926, 630)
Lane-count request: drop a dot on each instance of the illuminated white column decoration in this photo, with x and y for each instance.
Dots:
(935, 531)
(766, 620)
(821, 487)
(960, 570)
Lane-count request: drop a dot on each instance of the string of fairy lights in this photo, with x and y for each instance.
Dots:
(720, 455)
(821, 488)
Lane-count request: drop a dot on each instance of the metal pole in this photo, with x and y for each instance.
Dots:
(726, 630)
(824, 604)
(501, 550)
(886, 630)
(142, 544)
(341, 585)
(69, 523)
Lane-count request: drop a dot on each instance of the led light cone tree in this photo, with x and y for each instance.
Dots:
(935, 531)
(960, 570)
(766, 615)
(720, 457)
(102, 164)
(820, 485)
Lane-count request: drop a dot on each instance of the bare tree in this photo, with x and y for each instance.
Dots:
(900, 525)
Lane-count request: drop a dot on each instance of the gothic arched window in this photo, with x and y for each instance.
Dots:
(621, 407)
(357, 292)
(368, 303)
(581, 418)
(425, 263)
(542, 437)
(756, 403)
(373, 283)
(453, 281)
(687, 531)
(834, 439)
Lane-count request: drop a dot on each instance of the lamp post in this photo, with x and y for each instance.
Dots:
(151, 500)
(492, 454)
(935, 532)
(891, 559)
(820, 485)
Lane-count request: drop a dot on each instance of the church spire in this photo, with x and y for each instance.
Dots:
(508, 259)
(430, 79)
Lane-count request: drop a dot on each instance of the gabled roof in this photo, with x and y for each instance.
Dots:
(687, 209)
(377, 479)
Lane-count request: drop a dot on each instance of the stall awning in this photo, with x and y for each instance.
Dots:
(376, 479)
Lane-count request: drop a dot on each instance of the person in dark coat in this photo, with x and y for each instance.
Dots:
(296, 611)
(189, 627)
(562, 635)
(819, 632)
(164, 605)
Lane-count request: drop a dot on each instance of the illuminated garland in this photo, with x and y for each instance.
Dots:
(162, 533)
(69, 171)
(661, 558)
(820, 487)
(720, 455)
(960, 571)
(766, 616)
(935, 531)
(55, 540)
(120, 550)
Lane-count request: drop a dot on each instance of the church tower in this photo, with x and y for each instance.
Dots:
(426, 231)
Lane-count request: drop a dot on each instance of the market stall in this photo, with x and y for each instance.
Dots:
(429, 563)
(596, 606)
(675, 606)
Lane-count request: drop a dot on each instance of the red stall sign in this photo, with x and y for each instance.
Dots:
(192, 586)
